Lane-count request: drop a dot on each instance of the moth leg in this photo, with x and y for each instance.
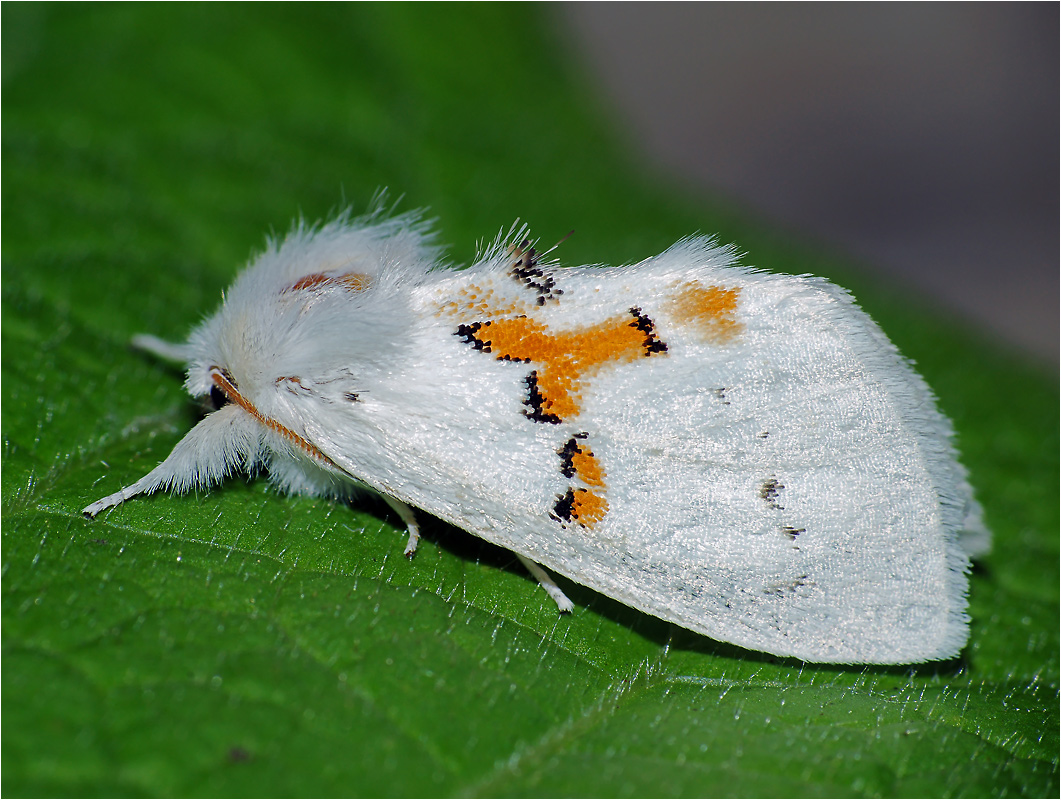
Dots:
(545, 580)
(160, 348)
(408, 516)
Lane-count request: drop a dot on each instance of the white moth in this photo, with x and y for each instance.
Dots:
(741, 453)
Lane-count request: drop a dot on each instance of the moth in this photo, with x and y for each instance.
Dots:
(741, 453)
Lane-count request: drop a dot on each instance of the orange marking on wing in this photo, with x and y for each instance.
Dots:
(475, 300)
(583, 506)
(711, 309)
(566, 358)
(586, 466)
(588, 508)
(233, 394)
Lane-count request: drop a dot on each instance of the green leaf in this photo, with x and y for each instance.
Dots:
(243, 643)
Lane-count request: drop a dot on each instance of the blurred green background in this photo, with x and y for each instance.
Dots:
(241, 643)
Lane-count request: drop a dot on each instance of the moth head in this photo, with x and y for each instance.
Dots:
(322, 302)
(321, 311)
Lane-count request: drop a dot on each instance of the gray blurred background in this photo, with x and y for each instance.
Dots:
(920, 138)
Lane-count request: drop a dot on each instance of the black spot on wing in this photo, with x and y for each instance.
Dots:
(788, 588)
(567, 454)
(564, 509)
(769, 491)
(470, 335)
(533, 277)
(652, 344)
(537, 408)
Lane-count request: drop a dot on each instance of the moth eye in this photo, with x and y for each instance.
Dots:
(217, 398)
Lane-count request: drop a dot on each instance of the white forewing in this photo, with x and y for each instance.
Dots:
(778, 477)
(744, 454)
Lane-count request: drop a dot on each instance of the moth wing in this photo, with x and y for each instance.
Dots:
(760, 465)
(814, 507)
